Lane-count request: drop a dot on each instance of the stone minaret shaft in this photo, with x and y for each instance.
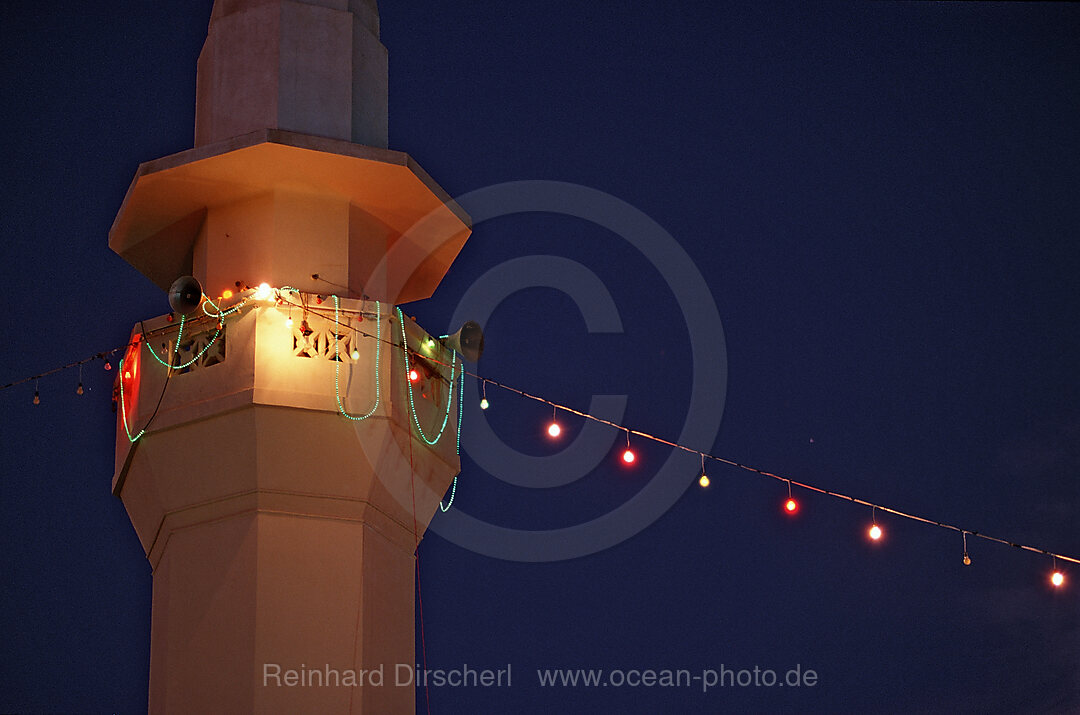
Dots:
(281, 533)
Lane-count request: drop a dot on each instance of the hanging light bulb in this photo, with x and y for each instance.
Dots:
(226, 294)
(790, 506)
(703, 480)
(967, 559)
(874, 532)
(413, 375)
(628, 455)
(79, 389)
(263, 292)
(37, 398)
(484, 404)
(288, 322)
(554, 430)
(355, 354)
(1057, 579)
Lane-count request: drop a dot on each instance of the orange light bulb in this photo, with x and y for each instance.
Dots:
(1057, 578)
(875, 532)
(791, 506)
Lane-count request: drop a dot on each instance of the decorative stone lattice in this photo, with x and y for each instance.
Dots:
(318, 339)
(196, 344)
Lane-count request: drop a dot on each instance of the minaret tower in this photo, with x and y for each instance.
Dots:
(281, 450)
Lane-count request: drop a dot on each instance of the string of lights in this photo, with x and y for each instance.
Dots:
(355, 356)
(790, 505)
(412, 402)
(628, 456)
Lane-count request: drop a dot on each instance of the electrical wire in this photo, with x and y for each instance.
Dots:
(282, 292)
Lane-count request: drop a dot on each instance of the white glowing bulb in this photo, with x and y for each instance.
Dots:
(263, 292)
(875, 532)
(554, 429)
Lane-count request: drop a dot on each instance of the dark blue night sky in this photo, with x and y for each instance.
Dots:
(882, 199)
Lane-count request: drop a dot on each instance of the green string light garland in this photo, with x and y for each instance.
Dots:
(460, 412)
(412, 402)
(460, 408)
(123, 409)
(179, 336)
(337, 363)
(453, 491)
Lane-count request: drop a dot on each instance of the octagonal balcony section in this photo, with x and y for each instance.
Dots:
(279, 207)
(253, 416)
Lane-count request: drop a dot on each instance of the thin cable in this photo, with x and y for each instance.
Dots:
(764, 473)
(317, 277)
(628, 431)
(98, 356)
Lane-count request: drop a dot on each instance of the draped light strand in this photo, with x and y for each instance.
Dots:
(1057, 576)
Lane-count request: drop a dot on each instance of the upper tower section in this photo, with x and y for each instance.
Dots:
(290, 182)
(313, 67)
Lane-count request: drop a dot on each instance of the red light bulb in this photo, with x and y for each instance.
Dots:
(628, 456)
(791, 506)
(413, 375)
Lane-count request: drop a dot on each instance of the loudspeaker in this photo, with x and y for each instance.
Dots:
(469, 341)
(185, 295)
